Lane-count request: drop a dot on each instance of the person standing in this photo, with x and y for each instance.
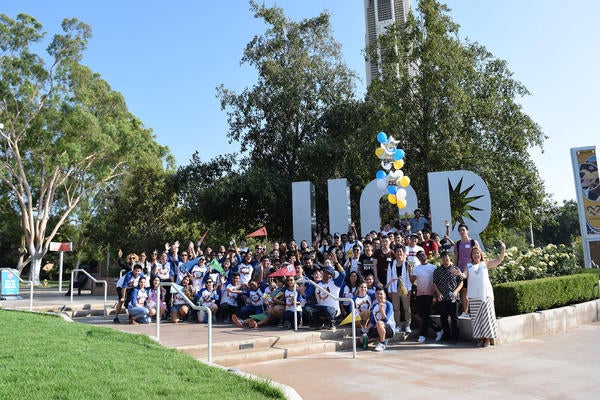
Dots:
(481, 295)
(462, 256)
(384, 257)
(398, 288)
(447, 284)
(422, 276)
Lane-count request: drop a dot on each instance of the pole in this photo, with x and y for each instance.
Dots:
(60, 271)
(107, 258)
(531, 233)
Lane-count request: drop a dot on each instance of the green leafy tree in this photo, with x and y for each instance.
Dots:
(65, 133)
(559, 225)
(453, 105)
(300, 77)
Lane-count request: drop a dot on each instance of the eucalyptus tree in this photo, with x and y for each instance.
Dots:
(66, 133)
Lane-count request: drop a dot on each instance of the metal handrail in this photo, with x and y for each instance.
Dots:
(191, 304)
(92, 278)
(16, 272)
(352, 305)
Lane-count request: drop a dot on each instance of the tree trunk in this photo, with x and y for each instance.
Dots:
(36, 266)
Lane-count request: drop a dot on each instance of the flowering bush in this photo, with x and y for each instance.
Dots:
(538, 262)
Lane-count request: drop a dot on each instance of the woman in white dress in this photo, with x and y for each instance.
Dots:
(481, 295)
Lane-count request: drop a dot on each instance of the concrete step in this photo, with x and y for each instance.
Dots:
(267, 354)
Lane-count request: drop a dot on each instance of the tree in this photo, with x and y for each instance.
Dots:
(560, 224)
(453, 105)
(65, 133)
(300, 76)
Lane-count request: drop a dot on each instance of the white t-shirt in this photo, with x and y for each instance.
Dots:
(424, 282)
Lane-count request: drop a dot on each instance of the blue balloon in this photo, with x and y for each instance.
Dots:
(392, 189)
(382, 137)
(399, 155)
(380, 174)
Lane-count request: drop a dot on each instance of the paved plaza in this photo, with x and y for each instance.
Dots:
(559, 366)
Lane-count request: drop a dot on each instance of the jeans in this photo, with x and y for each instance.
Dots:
(318, 314)
(138, 312)
(423, 305)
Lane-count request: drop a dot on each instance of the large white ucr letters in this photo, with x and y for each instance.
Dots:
(440, 186)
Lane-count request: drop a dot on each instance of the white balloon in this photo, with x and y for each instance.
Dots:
(387, 166)
(401, 193)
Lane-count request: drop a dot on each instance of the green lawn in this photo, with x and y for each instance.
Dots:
(44, 357)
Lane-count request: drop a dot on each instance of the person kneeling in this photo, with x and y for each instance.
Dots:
(381, 324)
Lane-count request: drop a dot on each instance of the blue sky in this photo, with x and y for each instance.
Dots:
(167, 58)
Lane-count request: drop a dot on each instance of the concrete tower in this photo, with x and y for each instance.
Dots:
(379, 14)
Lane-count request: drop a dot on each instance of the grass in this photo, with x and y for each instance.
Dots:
(44, 357)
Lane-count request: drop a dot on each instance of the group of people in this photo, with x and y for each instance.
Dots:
(287, 284)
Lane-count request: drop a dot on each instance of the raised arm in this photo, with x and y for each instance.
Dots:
(494, 263)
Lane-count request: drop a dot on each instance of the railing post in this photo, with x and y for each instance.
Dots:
(95, 280)
(195, 307)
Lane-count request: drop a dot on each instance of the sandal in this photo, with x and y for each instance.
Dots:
(253, 324)
(236, 321)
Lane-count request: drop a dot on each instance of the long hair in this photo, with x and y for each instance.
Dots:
(480, 252)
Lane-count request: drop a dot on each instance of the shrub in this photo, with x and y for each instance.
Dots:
(538, 262)
(522, 297)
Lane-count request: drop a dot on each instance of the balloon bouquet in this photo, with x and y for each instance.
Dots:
(391, 176)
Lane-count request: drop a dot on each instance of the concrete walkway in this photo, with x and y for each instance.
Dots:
(559, 366)
(562, 366)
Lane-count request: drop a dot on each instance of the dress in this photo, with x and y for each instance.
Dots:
(481, 302)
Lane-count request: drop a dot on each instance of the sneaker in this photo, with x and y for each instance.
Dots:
(116, 320)
(464, 315)
(236, 321)
(407, 329)
(421, 339)
(287, 324)
(380, 347)
(438, 335)
(397, 329)
(330, 327)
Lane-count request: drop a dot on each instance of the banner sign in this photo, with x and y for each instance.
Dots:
(588, 187)
(58, 246)
(10, 283)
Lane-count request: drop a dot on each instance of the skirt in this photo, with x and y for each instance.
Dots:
(483, 316)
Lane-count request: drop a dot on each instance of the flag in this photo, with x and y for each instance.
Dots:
(214, 264)
(202, 238)
(261, 232)
(348, 319)
(286, 270)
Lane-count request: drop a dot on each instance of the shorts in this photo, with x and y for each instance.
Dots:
(389, 332)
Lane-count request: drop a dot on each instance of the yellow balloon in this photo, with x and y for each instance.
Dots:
(399, 164)
(392, 198)
(401, 203)
(404, 181)
(379, 152)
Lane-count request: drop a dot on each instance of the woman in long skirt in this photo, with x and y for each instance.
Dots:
(481, 295)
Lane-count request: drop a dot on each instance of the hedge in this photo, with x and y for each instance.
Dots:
(523, 297)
